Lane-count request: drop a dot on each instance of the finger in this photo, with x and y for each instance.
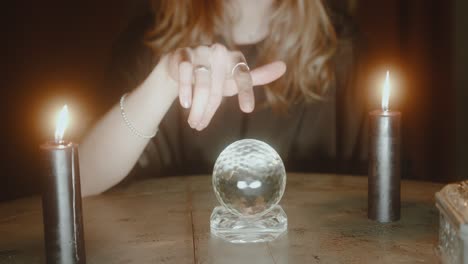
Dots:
(230, 87)
(180, 69)
(218, 60)
(201, 95)
(268, 73)
(243, 80)
(185, 83)
(245, 90)
(260, 76)
(175, 59)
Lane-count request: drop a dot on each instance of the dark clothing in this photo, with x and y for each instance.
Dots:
(323, 136)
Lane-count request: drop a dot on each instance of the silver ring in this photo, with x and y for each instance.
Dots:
(201, 68)
(238, 65)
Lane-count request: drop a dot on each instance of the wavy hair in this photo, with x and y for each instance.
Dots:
(301, 34)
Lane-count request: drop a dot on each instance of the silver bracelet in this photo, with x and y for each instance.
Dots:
(128, 123)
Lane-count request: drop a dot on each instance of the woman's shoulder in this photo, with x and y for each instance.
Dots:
(342, 19)
(345, 27)
(129, 51)
(346, 54)
(131, 60)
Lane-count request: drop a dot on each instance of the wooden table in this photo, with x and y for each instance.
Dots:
(167, 221)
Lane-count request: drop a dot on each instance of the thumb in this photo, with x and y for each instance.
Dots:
(268, 73)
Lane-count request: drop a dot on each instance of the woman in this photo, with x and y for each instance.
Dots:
(203, 53)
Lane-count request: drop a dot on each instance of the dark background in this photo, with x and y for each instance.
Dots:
(58, 51)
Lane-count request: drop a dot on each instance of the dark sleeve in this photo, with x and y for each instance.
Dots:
(351, 106)
(130, 63)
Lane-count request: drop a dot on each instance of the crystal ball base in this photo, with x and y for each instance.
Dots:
(238, 229)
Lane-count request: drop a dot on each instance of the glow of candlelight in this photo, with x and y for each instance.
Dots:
(386, 92)
(61, 124)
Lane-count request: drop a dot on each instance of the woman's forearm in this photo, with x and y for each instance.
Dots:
(111, 149)
(204, 75)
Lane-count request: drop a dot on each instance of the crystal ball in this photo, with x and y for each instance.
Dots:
(249, 178)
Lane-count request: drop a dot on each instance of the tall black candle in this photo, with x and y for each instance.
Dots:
(384, 162)
(61, 201)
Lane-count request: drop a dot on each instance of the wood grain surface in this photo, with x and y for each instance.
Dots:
(166, 220)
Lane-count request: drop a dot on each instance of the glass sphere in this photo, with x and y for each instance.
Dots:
(249, 178)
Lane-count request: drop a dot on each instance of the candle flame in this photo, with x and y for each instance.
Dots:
(386, 93)
(61, 124)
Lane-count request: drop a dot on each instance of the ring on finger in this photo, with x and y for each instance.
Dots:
(201, 68)
(240, 64)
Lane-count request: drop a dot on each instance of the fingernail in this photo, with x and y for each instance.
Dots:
(185, 102)
(192, 124)
(248, 107)
(200, 127)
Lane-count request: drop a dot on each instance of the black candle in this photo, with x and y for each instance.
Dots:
(61, 200)
(384, 162)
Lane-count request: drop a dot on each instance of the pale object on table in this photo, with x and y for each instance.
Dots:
(452, 202)
(249, 180)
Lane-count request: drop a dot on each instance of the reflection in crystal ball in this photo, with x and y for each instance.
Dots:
(249, 178)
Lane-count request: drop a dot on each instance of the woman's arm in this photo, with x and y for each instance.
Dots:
(204, 75)
(110, 149)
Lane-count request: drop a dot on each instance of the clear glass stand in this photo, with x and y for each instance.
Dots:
(238, 229)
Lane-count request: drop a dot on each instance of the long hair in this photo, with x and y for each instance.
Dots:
(301, 34)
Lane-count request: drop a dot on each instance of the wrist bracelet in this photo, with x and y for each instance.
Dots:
(128, 123)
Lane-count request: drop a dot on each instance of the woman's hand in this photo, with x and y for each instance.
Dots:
(205, 74)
